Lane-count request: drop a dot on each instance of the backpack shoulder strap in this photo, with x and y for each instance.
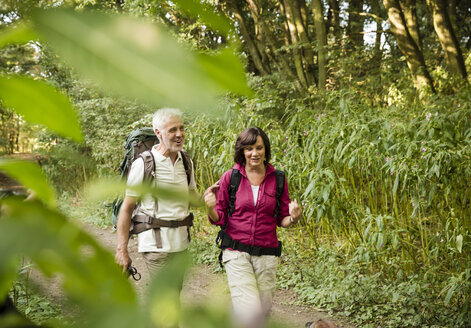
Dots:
(233, 186)
(149, 165)
(280, 184)
(232, 190)
(187, 164)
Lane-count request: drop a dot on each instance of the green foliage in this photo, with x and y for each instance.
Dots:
(203, 29)
(10, 131)
(327, 279)
(97, 213)
(67, 165)
(106, 123)
(56, 245)
(36, 307)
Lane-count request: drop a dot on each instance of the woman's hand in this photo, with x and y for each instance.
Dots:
(295, 211)
(210, 195)
(211, 200)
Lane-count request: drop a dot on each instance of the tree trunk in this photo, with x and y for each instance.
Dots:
(376, 8)
(452, 13)
(255, 53)
(355, 22)
(304, 16)
(306, 49)
(410, 14)
(321, 37)
(447, 37)
(333, 19)
(407, 45)
(17, 134)
(266, 36)
(296, 30)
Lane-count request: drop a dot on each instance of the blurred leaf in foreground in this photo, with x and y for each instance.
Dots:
(216, 67)
(102, 189)
(198, 9)
(39, 102)
(136, 58)
(163, 299)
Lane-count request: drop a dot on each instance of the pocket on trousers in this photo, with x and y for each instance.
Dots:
(228, 255)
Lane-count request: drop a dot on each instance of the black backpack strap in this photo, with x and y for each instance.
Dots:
(187, 164)
(232, 190)
(280, 184)
(149, 165)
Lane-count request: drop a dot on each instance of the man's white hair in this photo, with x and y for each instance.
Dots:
(163, 115)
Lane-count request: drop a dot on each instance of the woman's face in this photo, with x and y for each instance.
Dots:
(255, 154)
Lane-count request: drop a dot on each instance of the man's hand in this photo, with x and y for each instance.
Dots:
(122, 258)
(123, 225)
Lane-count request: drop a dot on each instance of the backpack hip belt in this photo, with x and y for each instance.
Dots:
(142, 222)
(225, 241)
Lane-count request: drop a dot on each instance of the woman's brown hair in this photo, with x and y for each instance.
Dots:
(249, 137)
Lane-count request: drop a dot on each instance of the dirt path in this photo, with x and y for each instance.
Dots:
(202, 283)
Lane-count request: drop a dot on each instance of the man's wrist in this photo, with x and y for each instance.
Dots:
(122, 249)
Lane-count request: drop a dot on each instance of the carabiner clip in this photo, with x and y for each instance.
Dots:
(132, 271)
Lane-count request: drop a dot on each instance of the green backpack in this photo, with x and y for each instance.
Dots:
(138, 141)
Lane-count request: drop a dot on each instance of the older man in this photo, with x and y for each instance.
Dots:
(167, 221)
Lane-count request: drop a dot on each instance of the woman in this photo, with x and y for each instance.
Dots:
(249, 226)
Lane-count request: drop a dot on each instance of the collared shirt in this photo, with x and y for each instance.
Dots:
(168, 175)
(252, 224)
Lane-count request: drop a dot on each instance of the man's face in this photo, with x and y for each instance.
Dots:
(172, 135)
